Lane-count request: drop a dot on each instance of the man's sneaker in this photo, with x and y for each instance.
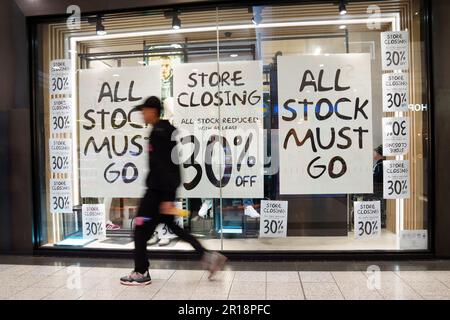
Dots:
(205, 208)
(251, 212)
(164, 242)
(112, 226)
(214, 262)
(154, 239)
(136, 279)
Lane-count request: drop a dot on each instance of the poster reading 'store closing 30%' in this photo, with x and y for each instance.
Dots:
(219, 116)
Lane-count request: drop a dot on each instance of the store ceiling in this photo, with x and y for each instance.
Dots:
(155, 20)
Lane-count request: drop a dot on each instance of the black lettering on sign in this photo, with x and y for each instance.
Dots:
(319, 107)
(86, 116)
(331, 168)
(292, 133)
(292, 110)
(106, 92)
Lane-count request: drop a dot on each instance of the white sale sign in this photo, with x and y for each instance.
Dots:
(113, 137)
(61, 196)
(395, 92)
(273, 221)
(367, 219)
(60, 155)
(94, 221)
(394, 50)
(395, 136)
(219, 112)
(60, 116)
(60, 81)
(396, 179)
(325, 121)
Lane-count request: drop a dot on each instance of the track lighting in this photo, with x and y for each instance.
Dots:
(176, 22)
(99, 27)
(342, 8)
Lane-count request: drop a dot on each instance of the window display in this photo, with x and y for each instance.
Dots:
(297, 129)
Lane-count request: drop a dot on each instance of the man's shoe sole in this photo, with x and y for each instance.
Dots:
(218, 267)
(135, 284)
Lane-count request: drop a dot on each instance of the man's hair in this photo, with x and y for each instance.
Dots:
(152, 102)
(379, 150)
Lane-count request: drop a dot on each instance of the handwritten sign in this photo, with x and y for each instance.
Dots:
(113, 137)
(325, 121)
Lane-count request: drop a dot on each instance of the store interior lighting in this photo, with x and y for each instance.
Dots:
(176, 22)
(99, 27)
(342, 8)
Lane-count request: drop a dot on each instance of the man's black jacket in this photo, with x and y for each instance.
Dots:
(164, 172)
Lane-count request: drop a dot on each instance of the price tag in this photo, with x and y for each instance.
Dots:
(60, 116)
(395, 92)
(60, 196)
(396, 179)
(60, 155)
(367, 219)
(59, 80)
(395, 136)
(94, 221)
(273, 221)
(395, 53)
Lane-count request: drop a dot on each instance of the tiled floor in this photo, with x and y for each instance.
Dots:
(78, 281)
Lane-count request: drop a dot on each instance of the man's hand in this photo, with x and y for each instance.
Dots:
(167, 207)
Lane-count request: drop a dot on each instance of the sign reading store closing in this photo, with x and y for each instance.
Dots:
(113, 138)
(325, 121)
(218, 110)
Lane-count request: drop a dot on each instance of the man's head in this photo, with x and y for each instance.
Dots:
(151, 110)
(378, 153)
(166, 67)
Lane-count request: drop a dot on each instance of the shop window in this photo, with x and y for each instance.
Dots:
(300, 129)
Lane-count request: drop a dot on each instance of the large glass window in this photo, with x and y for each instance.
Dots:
(301, 127)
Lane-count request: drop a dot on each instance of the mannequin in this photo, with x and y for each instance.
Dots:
(205, 209)
(169, 109)
(168, 104)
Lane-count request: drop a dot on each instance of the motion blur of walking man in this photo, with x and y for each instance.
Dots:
(157, 205)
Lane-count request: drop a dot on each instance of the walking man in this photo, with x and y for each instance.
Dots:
(157, 205)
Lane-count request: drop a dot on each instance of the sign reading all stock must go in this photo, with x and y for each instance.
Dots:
(325, 122)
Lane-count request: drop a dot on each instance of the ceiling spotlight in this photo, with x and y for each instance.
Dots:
(98, 21)
(343, 27)
(234, 55)
(342, 8)
(176, 22)
(99, 27)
